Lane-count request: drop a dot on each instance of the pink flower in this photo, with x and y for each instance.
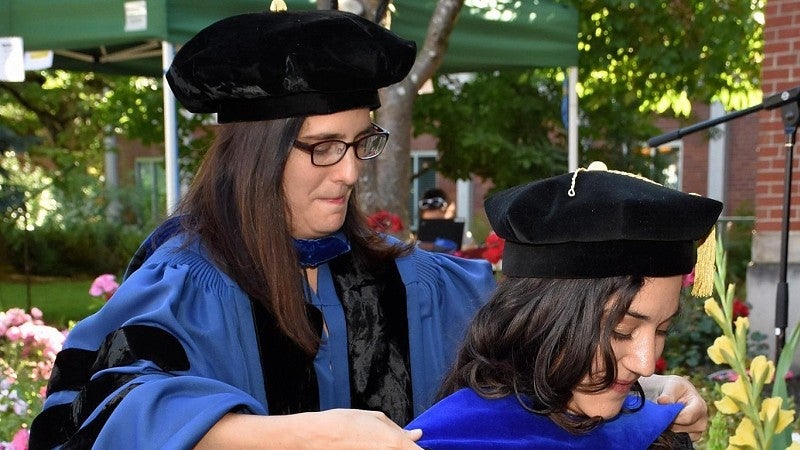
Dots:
(688, 279)
(105, 285)
(14, 333)
(36, 313)
(20, 441)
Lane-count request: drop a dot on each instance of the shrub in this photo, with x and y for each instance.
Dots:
(28, 349)
(77, 250)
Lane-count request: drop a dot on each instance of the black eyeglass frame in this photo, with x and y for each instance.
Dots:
(432, 203)
(379, 131)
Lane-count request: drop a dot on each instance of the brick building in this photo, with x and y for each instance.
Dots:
(780, 71)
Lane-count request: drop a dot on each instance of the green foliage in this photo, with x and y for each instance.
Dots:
(655, 56)
(636, 58)
(65, 119)
(61, 300)
(82, 249)
(692, 332)
(719, 432)
(499, 126)
(738, 236)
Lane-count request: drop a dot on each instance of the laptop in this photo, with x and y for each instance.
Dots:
(432, 229)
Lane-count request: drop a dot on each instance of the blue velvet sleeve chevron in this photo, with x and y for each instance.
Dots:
(145, 371)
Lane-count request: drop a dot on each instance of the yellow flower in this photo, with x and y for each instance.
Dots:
(742, 323)
(745, 435)
(762, 369)
(726, 406)
(794, 446)
(712, 309)
(785, 418)
(769, 408)
(736, 390)
(721, 351)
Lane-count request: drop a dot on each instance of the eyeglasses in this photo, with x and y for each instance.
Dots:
(432, 203)
(328, 153)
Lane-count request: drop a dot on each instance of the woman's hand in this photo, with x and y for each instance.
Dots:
(693, 418)
(332, 429)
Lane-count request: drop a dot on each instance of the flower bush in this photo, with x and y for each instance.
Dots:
(385, 222)
(762, 422)
(692, 332)
(28, 350)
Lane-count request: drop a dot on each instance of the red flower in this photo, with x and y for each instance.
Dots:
(740, 308)
(661, 365)
(493, 250)
(385, 222)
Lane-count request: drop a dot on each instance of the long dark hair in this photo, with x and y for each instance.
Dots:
(237, 207)
(536, 338)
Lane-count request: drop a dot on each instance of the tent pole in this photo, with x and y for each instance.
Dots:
(172, 171)
(572, 132)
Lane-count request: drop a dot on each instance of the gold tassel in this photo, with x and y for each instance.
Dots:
(277, 5)
(704, 269)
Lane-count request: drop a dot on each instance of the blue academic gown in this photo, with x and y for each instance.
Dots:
(180, 291)
(465, 420)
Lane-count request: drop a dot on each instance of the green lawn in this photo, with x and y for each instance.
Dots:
(61, 301)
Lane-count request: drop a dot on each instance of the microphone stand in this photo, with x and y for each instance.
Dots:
(790, 113)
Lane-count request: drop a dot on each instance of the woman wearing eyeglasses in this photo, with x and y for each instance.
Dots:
(435, 205)
(265, 313)
(266, 298)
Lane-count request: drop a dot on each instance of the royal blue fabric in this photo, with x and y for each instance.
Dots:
(179, 290)
(465, 420)
(313, 252)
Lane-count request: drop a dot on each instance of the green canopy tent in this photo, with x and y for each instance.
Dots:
(137, 37)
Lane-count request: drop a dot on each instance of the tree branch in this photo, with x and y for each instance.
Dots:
(441, 26)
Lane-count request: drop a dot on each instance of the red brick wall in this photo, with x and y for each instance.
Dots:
(780, 71)
(695, 155)
(741, 151)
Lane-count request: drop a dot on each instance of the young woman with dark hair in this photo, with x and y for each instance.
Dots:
(554, 358)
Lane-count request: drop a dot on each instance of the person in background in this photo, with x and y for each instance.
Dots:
(265, 313)
(434, 204)
(593, 266)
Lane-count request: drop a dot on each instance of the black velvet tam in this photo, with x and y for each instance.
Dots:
(613, 224)
(272, 65)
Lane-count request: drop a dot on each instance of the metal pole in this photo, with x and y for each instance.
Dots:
(791, 116)
(172, 169)
(572, 132)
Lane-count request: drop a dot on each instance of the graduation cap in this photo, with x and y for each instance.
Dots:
(601, 223)
(272, 65)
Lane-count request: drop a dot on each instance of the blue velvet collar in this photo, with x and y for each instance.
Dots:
(466, 420)
(314, 252)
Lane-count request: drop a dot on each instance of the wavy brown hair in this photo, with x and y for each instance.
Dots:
(536, 338)
(237, 208)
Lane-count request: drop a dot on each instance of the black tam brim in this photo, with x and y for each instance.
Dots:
(597, 224)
